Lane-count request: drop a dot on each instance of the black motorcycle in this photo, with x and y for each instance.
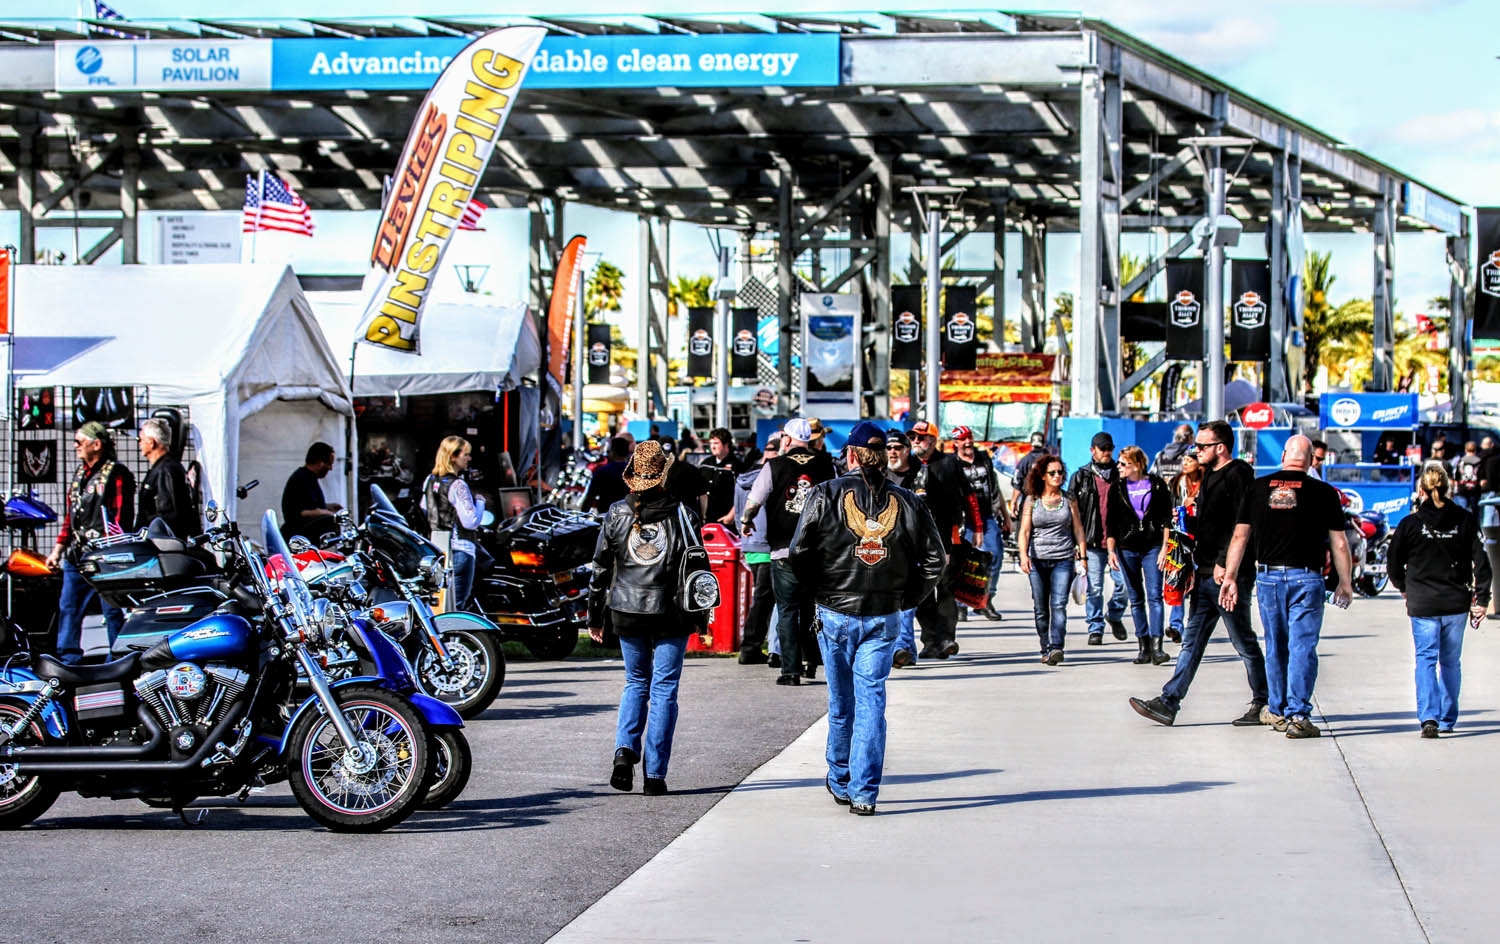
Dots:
(536, 588)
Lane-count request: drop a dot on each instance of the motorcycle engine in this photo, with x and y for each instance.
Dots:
(189, 700)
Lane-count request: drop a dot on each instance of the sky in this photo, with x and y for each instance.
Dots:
(1409, 82)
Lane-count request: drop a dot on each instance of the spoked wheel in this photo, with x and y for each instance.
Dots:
(22, 799)
(452, 763)
(477, 671)
(1372, 585)
(377, 783)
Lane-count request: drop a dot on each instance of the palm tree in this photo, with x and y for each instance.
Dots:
(1323, 325)
(689, 292)
(1347, 343)
(604, 289)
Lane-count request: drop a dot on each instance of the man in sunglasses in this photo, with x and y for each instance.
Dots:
(1226, 482)
(942, 484)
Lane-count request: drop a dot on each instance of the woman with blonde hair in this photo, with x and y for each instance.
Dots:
(455, 515)
(1140, 515)
(1438, 562)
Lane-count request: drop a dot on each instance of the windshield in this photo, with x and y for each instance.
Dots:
(994, 422)
(281, 567)
(379, 501)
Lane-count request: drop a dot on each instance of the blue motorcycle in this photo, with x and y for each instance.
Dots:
(204, 712)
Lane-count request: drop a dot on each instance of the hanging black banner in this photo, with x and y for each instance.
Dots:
(1143, 321)
(1185, 310)
(744, 345)
(906, 327)
(1249, 311)
(1487, 283)
(700, 342)
(960, 328)
(600, 351)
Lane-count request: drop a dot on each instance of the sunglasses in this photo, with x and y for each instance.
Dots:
(1057, 472)
(1200, 444)
(894, 447)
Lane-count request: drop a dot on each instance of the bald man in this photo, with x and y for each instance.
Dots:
(1295, 521)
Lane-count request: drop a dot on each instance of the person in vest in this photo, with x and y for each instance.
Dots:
(100, 502)
(782, 488)
(455, 516)
(164, 491)
(979, 469)
(946, 491)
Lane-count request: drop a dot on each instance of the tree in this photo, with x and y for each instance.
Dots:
(604, 289)
(689, 292)
(1323, 325)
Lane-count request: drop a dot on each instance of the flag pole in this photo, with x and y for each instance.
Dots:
(260, 202)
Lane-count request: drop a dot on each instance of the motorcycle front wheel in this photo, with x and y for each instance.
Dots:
(22, 799)
(1372, 585)
(452, 763)
(380, 781)
(478, 670)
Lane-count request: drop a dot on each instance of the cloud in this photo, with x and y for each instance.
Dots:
(1192, 31)
(1469, 127)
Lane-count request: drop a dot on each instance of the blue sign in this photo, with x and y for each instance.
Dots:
(1367, 411)
(568, 62)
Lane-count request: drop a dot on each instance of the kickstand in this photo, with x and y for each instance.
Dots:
(193, 818)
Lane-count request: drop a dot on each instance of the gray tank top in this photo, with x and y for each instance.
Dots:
(1051, 530)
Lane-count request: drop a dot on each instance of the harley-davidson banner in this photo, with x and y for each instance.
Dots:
(960, 328)
(744, 344)
(1249, 311)
(700, 342)
(906, 327)
(442, 164)
(1487, 275)
(599, 354)
(1185, 310)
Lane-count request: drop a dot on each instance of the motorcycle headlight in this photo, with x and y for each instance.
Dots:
(432, 571)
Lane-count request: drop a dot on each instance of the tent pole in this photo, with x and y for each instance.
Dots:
(349, 439)
(10, 411)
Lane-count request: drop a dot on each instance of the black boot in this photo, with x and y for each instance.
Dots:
(1158, 654)
(1143, 656)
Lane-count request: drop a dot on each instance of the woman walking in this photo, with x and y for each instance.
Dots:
(1140, 515)
(1185, 485)
(455, 516)
(1438, 562)
(635, 581)
(1051, 540)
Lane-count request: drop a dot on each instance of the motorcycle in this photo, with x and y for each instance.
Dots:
(536, 588)
(1354, 534)
(1376, 535)
(34, 587)
(204, 713)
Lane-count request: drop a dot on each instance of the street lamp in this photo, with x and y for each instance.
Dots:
(934, 202)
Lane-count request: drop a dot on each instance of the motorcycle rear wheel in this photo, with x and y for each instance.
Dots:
(452, 764)
(23, 799)
(351, 797)
(479, 672)
(553, 646)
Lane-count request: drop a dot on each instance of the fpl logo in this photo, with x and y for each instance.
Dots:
(88, 61)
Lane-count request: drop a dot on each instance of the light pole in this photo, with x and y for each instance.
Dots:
(933, 201)
(1216, 231)
(724, 290)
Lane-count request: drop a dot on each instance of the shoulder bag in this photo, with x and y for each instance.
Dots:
(697, 587)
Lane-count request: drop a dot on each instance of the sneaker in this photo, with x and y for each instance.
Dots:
(1429, 729)
(774, 660)
(754, 658)
(950, 648)
(788, 680)
(838, 798)
(1300, 727)
(901, 659)
(1254, 716)
(990, 613)
(1155, 709)
(1055, 657)
(1174, 635)
(1280, 724)
(1118, 628)
(862, 809)
(1096, 639)
(1270, 719)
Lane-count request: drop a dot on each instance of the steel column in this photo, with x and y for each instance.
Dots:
(643, 314)
(934, 359)
(1033, 284)
(1001, 207)
(1382, 373)
(1458, 320)
(1213, 300)
(26, 193)
(722, 332)
(130, 182)
(786, 258)
(914, 277)
(1112, 127)
(880, 290)
(1087, 353)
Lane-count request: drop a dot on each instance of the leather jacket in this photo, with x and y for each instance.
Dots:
(1085, 494)
(867, 551)
(637, 557)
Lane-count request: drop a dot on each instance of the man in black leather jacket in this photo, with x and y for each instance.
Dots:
(866, 550)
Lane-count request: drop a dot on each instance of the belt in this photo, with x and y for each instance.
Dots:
(1267, 568)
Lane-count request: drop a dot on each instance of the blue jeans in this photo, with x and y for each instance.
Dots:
(1174, 617)
(857, 659)
(1050, 581)
(76, 594)
(907, 638)
(652, 671)
(1291, 613)
(1143, 584)
(1440, 643)
(463, 581)
(1203, 615)
(1093, 609)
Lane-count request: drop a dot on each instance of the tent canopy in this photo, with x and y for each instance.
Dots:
(226, 341)
(466, 347)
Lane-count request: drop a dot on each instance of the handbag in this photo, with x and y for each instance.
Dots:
(697, 587)
(971, 581)
(1079, 588)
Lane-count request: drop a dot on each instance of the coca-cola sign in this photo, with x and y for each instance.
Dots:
(1257, 415)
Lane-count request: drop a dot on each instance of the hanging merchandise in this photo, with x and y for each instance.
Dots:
(112, 406)
(744, 351)
(906, 327)
(960, 328)
(700, 345)
(1487, 283)
(1249, 311)
(36, 461)
(1185, 310)
(599, 353)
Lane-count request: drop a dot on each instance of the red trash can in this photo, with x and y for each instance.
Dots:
(728, 565)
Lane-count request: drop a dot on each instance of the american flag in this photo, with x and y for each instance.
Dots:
(103, 11)
(278, 208)
(472, 213)
(111, 527)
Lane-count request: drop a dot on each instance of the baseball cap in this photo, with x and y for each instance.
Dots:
(866, 434)
(924, 428)
(961, 432)
(1103, 441)
(896, 438)
(798, 429)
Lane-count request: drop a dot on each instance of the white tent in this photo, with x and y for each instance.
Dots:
(236, 344)
(466, 347)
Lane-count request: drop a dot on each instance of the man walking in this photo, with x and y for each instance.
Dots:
(720, 468)
(1293, 519)
(1226, 481)
(1466, 477)
(164, 491)
(782, 488)
(866, 550)
(1168, 462)
(979, 469)
(945, 490)
(758, 558)
(1089, 491)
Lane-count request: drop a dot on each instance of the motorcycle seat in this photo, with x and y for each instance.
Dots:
(159, 533)
(120, 670)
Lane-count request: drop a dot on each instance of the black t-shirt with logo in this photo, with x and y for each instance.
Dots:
(1290, 515)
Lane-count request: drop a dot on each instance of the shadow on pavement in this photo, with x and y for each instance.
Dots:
(1040, 796)
(803, 782)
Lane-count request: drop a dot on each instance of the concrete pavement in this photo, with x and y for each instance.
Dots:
(1028, 803)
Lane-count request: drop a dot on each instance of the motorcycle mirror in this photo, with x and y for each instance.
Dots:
(211, 511)
(300, 544)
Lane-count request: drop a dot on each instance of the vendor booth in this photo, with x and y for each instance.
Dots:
(1360, 419)
(235, 344)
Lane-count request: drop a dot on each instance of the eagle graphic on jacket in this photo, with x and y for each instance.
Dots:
(870, 532)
